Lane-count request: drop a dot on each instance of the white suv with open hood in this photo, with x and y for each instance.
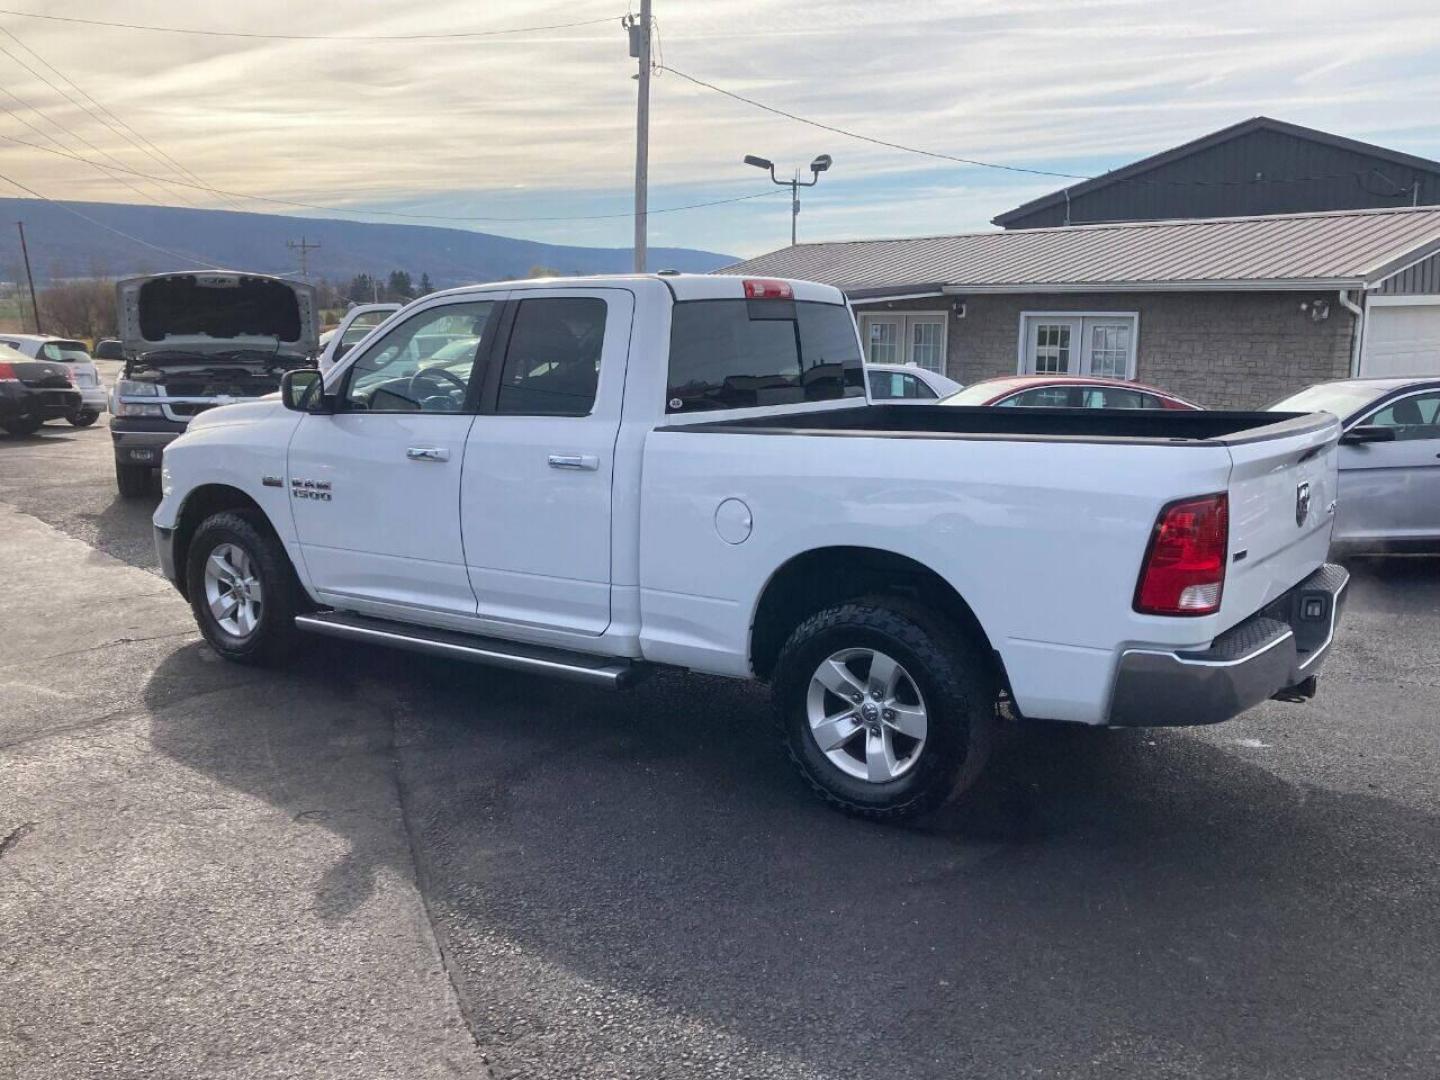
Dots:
(194, 341)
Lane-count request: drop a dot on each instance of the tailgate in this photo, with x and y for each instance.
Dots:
(1282, 506)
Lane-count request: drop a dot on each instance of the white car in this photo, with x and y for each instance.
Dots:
(75, 355)
(353, 329)
(625, 473)
(907, 383)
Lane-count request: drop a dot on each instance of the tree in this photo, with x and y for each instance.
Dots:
(363, 289)
(544, 271)
(400, 287)
(79, 309)
(426, 288)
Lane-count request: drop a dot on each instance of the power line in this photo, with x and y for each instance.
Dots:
(870, 138)
(375, 212)
(108, 171)
(108, 228)
(69, 131)
(108, 117)
(1008, 168)
(196, 32)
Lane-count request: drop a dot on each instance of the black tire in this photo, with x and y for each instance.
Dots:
(134, 481)
(84, 418)
(23, 425)
(953, 675)
(274, 639)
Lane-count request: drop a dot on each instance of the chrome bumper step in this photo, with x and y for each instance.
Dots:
(610, 672)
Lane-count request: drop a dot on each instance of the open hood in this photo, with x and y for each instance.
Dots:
(216, 311)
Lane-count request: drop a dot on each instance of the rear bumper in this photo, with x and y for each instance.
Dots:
(1274, 653)
(48, 404)
(94, 399)
(142, 440)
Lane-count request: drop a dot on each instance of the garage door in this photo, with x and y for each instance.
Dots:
(1402, 339)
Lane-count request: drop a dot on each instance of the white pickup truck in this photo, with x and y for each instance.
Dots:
(591, 478)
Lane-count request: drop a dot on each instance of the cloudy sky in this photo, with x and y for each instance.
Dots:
(540, 125)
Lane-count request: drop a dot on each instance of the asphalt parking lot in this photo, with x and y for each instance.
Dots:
(378, 865)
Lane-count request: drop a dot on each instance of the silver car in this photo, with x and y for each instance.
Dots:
(1389, 460)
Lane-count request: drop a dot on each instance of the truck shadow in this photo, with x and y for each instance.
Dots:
(1105, 903)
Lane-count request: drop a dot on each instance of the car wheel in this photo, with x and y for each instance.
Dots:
(134, 480)
(23, 425)
(887, 710)
(84, 419)
(242, 590)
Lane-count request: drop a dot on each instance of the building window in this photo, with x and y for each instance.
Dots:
(1099, 344)
(905, 337)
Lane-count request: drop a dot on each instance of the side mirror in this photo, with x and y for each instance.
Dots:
(109, 349)
(303, 390)
(1367, 433)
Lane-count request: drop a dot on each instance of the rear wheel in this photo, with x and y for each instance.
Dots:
(242, 590)
(887, 709)
(133, 480)
(23, 425)
(84, 418)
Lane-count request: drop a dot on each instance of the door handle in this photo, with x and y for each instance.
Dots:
(427, 453)
(574, 461)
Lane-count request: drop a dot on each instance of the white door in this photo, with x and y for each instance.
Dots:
(1402, 338)
(1052, 346)
(913, 337)
(376, 485)
(536, 500)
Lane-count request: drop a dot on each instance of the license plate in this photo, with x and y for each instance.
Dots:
(142, 455)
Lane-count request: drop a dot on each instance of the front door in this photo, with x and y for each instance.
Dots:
(1391, 490)
(539, 460)
(376, 486)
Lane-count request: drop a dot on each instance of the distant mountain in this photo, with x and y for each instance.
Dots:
(63, 245)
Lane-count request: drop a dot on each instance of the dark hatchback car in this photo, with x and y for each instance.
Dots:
(33, 391)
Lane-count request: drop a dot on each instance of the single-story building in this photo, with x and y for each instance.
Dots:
(1224, 311)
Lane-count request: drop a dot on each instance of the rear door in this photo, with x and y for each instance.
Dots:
(375, 487)
(1391, 490)
(535, 503)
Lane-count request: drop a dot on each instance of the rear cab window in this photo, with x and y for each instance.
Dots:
(736, 354)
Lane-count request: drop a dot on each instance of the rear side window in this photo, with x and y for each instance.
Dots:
(737, 354)
(887, 385)
(552, 366)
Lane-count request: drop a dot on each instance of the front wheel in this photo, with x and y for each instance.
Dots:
(84, 419)
(887, 709)
(133, 480)
(242, 590)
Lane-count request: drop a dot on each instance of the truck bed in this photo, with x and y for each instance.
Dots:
(987, 422)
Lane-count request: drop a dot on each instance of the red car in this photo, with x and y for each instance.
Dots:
(1066, 392)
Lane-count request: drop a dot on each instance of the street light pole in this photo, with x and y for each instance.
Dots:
(819, 165)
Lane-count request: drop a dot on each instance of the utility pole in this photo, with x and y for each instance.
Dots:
(304, 248)
(639, 29)
(25, 253)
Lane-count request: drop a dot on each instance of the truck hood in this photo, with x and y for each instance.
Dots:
(207, 313)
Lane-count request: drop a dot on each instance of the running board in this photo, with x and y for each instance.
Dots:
(613, 673)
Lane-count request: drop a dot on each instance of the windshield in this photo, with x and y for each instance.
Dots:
(1340, 399)
(981, 392)
(71, 352)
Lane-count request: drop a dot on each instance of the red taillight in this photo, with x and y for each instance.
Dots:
(7, 373)
(768, 289)
(1184, 568)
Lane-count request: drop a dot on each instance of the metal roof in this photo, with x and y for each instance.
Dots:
(1256, 123)
(1337, 250)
